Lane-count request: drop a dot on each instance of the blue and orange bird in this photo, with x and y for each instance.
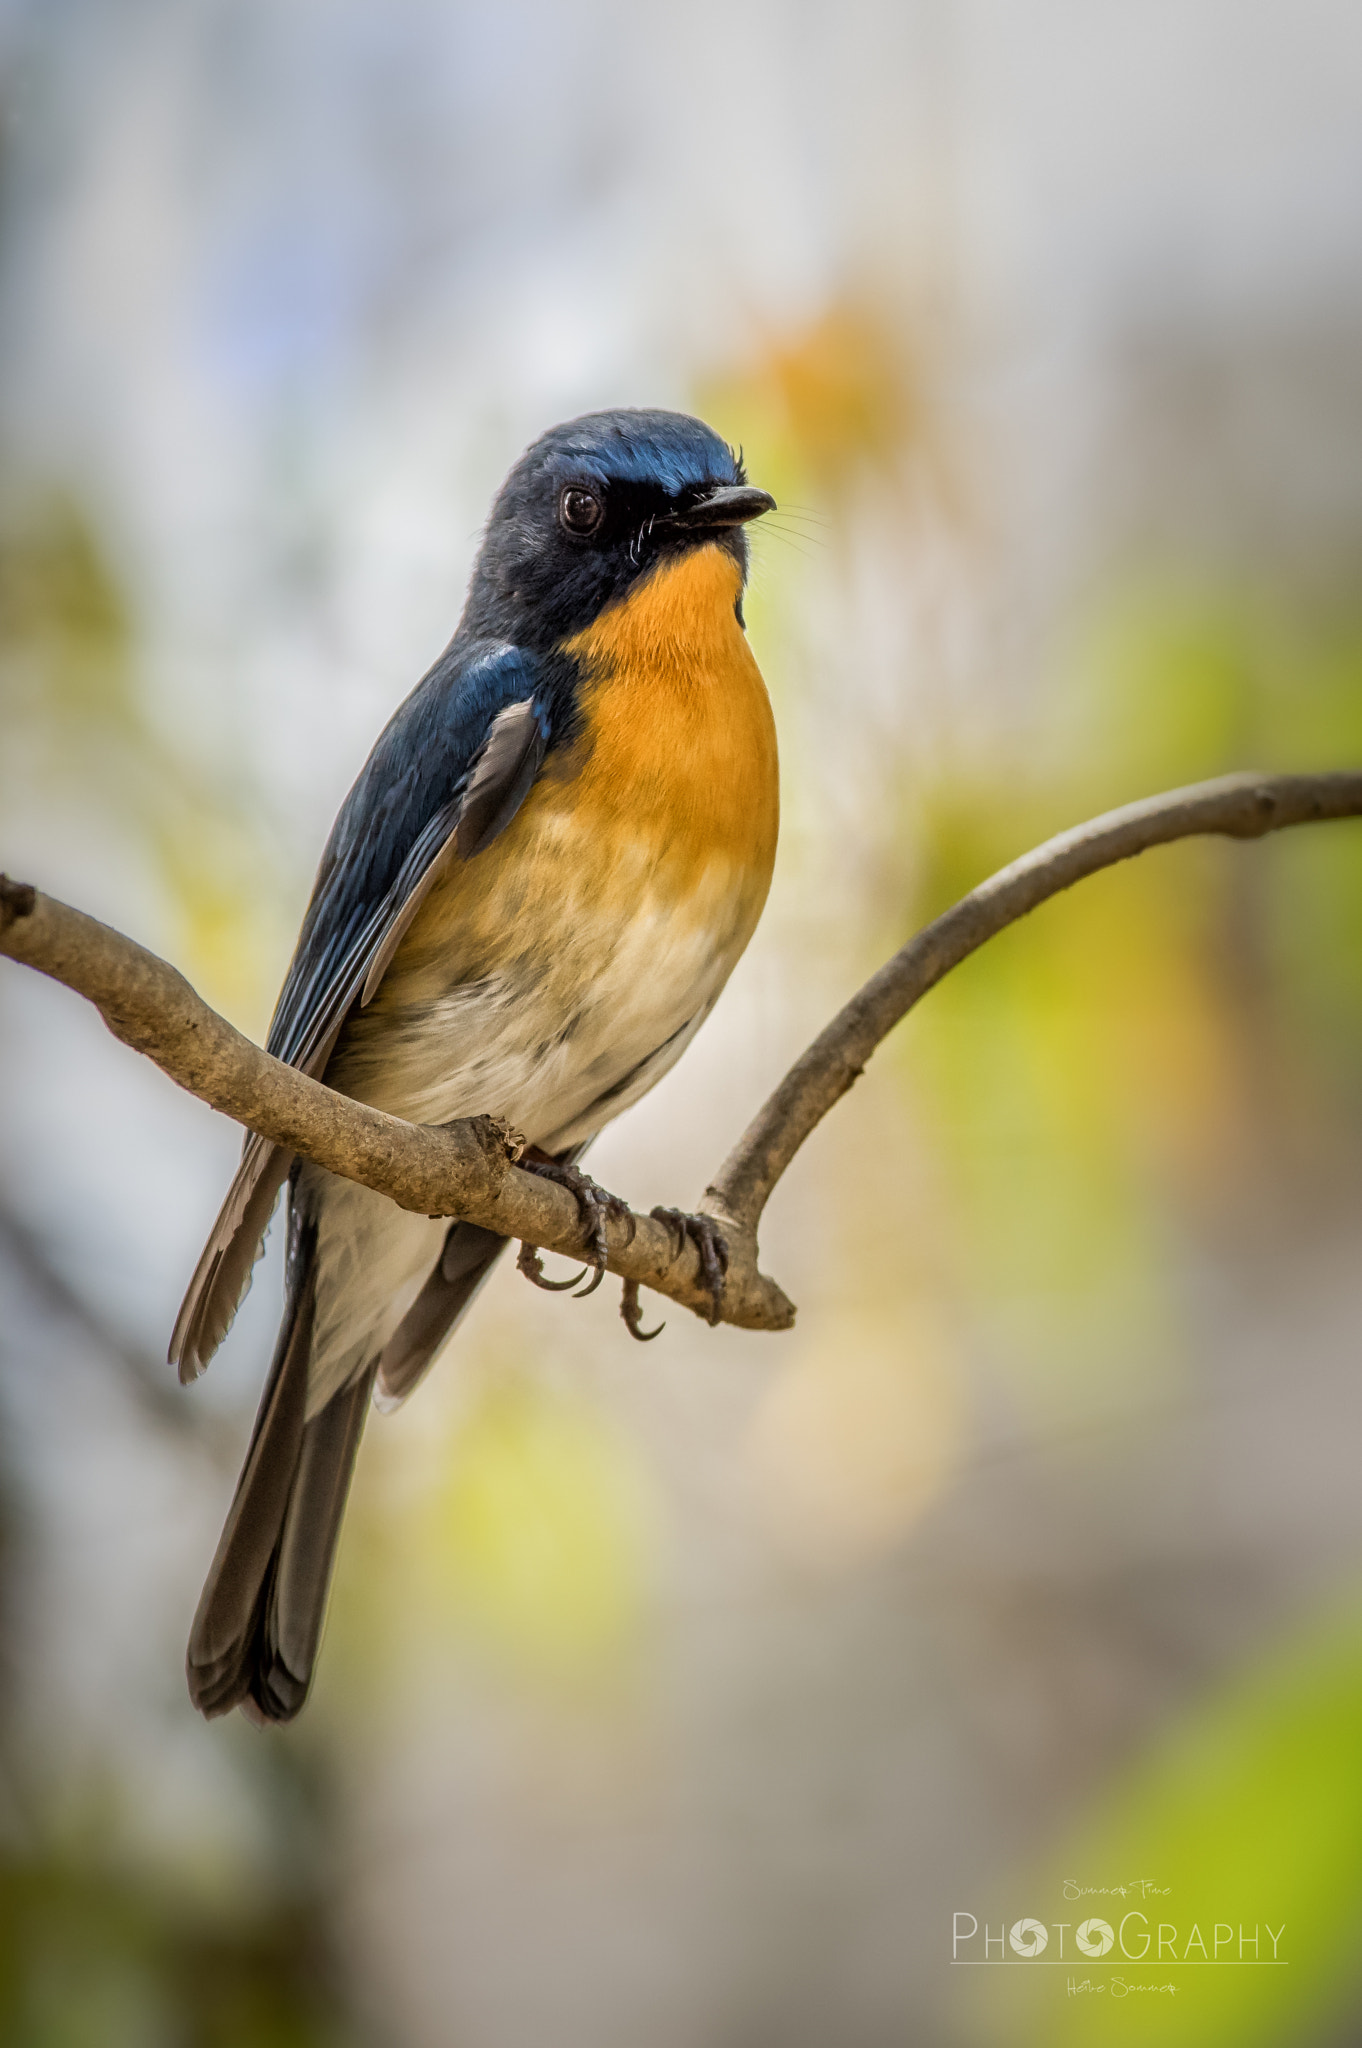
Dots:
(528, 905)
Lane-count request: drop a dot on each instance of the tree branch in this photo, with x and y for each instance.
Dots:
(466, 1169)
(461, 1169)
(1233, 806)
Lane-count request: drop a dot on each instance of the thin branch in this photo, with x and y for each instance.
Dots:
(1233, 806)
(466, 1169)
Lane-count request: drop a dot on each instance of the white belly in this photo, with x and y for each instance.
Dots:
(500, 1047)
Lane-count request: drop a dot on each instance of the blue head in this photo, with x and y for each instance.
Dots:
(593, 507)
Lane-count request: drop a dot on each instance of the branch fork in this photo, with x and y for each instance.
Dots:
(469, 1169)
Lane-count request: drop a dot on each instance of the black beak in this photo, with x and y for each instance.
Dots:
(730, 505)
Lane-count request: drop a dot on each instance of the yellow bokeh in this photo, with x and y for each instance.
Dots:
(857, 1437)
(542, 1530)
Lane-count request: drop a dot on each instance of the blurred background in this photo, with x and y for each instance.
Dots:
(684, 1696)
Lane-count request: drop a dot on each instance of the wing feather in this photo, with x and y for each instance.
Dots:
(502, 776)
(447, 775)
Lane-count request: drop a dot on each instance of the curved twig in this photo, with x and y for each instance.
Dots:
(466, 1169)
(1234, 806)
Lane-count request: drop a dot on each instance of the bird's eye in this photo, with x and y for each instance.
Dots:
(579, 512)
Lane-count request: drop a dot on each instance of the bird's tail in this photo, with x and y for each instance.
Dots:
(255, 1635)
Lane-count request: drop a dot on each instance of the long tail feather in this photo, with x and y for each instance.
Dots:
(255, 1635)
(301, 1575)
(225, 1624)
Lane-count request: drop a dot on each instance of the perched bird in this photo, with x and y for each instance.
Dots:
(527, 907)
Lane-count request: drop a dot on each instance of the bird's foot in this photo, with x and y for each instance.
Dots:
(712, 1246)
(596, 1205)
(531, 1265)
(633, 1315)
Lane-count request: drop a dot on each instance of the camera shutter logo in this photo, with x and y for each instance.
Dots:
(1094, 1937)
(1029, 1937)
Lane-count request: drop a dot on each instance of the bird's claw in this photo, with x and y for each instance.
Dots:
(712, 1246)
(529, 1263)
(596, 1205)
(633, 1315)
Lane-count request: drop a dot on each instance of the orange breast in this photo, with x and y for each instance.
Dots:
(680, 745)
(669, 798)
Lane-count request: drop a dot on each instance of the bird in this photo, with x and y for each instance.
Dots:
(528, 905)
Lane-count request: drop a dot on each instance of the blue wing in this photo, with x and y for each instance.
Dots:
(448, 774)
(398, 819)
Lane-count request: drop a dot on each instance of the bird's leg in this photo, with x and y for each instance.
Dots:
(633, 1315)
(595, 1204)
(711, 1245)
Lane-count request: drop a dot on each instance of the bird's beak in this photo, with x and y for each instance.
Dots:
(731, 505)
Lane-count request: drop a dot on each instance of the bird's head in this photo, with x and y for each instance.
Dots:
(592, 509)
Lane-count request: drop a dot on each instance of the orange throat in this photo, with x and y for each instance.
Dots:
(680, 742)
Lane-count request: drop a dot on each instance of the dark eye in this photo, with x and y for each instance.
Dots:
(579, 512)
